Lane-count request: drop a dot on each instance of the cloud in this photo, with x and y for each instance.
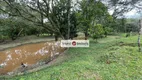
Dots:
(132, 14)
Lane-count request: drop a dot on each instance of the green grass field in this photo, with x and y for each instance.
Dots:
(112, 58)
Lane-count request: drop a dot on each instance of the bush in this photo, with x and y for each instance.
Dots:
(96, 31)
(13, 28)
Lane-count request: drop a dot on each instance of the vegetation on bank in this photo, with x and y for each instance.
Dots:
(112, 58)
(64, 18)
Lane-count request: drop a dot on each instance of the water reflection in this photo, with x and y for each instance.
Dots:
(28, 54)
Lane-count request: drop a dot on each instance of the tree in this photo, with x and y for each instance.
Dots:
(96, 31)
(57, 12)
(14, 28)
(91, 12)
(119, 8)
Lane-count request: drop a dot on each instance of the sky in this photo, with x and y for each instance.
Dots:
(133, 14)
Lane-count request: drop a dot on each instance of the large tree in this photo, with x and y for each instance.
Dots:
(91, 13)
(56, 12)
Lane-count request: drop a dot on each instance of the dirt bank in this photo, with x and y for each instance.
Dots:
(23, 40)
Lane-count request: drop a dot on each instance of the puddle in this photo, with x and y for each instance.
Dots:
(29, 54)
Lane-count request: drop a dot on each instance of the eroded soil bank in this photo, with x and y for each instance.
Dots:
(24, 40)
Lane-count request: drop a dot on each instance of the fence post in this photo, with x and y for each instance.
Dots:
(139, 35)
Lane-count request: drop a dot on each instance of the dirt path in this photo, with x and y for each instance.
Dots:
(23, 40)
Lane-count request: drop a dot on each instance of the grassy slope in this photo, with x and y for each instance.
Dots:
(109, 59)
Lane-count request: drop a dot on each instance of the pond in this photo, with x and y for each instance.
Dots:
(27, 55)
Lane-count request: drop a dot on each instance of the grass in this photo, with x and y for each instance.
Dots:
(106, 60)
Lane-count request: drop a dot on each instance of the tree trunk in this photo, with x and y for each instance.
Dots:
(139, 46)
(51, 34)
(71, 36)
(56, 37)
(86, 35)
(140, 30)
(68, 12)
(20, 32)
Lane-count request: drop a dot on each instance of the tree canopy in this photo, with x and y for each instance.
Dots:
(64, 19)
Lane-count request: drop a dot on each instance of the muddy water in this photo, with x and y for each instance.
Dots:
(28, 54)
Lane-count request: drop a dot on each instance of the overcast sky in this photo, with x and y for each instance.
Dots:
(131, 14)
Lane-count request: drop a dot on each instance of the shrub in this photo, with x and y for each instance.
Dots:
(96, 31)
